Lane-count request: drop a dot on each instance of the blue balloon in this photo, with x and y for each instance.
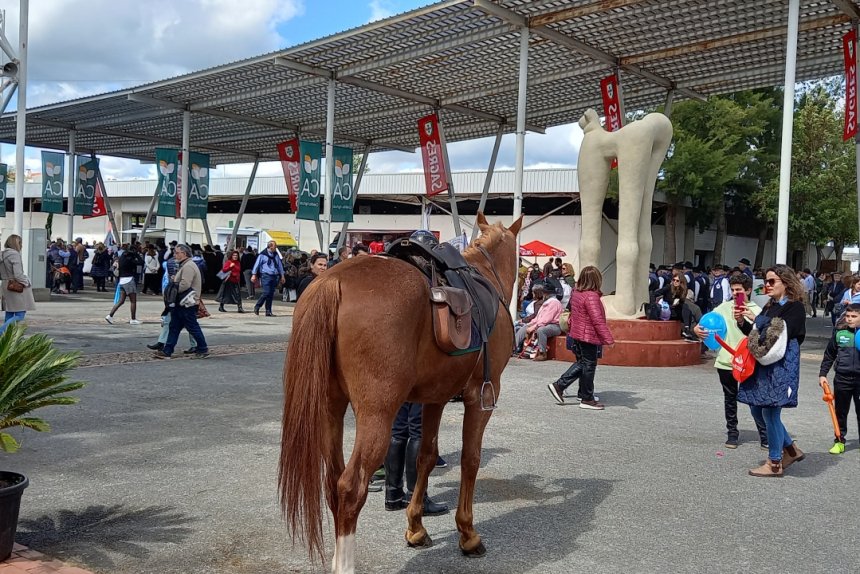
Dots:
(714, 324)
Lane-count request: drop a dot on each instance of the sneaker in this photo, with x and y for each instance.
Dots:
(764, 446)
(201, 355)
(155, 346)
(135, 322)
(441, 462)
(190, 351)
(109, 319)
(556, 393)
(837, 448)
(160, 355)
(592, 405)
(732, 442)
(578, 399)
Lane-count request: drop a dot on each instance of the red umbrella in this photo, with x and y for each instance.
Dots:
(540, 249)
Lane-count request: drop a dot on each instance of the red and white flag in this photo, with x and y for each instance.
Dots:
(99, 209)
(849, 53)
(435, 176)
(611, 102)
(288, 151)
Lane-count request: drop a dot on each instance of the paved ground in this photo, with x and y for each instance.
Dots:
(170, 467)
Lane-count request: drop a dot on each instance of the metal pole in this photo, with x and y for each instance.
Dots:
(670, 99)
(70, 186)
(521, 141)
(114, 229)
(342, 237)
(184, 173)
(622, 111)
(329, 167)
(489, 179)
(425, 213)
(149, 213)
(452, 199)
(206, 231)
(243, 206)
(8, 98)
(787, 133)
(21, 131)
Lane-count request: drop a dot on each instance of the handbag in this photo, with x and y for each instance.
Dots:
(14, 286)
(768, 340)
(202, 311)
(222, 275)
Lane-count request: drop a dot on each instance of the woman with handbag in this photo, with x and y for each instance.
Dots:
(229, 294)
(774, 339)
(17, 292)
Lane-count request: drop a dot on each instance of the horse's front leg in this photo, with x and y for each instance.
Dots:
(416, 534)
(474, 422)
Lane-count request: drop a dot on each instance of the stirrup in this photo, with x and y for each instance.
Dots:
(492, 404)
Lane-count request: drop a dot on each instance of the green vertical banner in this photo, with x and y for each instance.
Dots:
(3, 180)
(198, 186)
(85, 185)
(52, 182)
(309, 182)
(340, 188)
(167, 164)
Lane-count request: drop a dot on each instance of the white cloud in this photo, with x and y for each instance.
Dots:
(379, 10)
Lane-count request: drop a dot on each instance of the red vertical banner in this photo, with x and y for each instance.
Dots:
(611, 106)
(288, 151)
(849, 53)
(435, 177)
(99, 209)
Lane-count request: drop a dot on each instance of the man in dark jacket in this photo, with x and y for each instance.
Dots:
(246, 264)
(842, 354)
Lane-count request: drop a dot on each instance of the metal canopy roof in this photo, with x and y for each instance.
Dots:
(461, 57)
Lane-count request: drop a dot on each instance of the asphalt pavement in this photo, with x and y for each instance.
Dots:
(171, 467)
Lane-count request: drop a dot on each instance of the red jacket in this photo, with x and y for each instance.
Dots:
(588, 319)
(234, 268)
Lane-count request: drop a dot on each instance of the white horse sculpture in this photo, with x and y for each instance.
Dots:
(640, 148)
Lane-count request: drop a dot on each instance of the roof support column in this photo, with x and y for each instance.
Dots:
(184, 173)
(21, 129)
(452, 199)
(70, 187)
(329, 167)
(521, 142)
(787, 132)
(341, 239)
(242, 208)
(489, 179)
(208, 233)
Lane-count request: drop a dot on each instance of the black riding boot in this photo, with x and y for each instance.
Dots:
(430, 508)
(394, 462)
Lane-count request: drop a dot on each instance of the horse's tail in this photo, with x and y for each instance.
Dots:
(304, 450)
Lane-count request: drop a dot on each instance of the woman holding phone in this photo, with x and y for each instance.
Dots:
(775, 383)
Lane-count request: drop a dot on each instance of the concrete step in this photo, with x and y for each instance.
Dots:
(677, 353)
(644, 330)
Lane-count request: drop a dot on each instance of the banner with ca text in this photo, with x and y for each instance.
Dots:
(342, 199)
(288, 151)
(432, 155)
(849, 54)
(198, 186)
(85, 185)
(309, 182)
(167, 164)
(52, 182)
(3, 180)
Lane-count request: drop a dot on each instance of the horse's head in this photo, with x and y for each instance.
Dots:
(500, 242)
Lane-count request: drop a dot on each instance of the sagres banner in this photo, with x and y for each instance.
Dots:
(342, 198)
(167, 163)
(309, 182)
(99, 209)
(849, 54)
(52, 182)
(198, 186)
(288, 151)
(435, 175)
(4, 172)
(85, 185)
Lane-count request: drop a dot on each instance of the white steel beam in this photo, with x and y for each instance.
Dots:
(489, 178)
(243, 207)
(452, 198)
(21, 135)
(70, 188)
(787, 133)
(329, 165)
(184, 173)
(848, 7)
(522, 97)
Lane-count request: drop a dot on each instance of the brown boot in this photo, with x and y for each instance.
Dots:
(791, 454)
(770, 469)
(541, 356)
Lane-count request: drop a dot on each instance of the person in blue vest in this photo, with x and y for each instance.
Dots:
(720, 290)
(702, 289)
(270, 270)
(744, 265)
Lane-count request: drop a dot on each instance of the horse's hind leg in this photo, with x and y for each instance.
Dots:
(474, 422)
(334, 462)
(371, 442)
(416, 535)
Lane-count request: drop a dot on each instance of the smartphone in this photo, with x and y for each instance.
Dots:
(740, 300)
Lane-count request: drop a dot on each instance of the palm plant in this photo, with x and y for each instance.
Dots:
(33, 375)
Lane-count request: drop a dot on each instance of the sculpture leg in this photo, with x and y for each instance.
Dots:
(593, 178)
(631, 174)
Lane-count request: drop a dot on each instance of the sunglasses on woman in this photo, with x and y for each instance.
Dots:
(771, 282)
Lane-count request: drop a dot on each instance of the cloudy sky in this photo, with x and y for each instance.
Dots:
(137, 42)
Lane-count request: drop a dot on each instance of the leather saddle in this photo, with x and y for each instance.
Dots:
(463, 302)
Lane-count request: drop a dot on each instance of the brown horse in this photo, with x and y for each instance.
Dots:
(363, 335)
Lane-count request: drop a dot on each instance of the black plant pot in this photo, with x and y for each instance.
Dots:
(12, 486)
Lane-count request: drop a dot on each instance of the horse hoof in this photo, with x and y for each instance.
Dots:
(476, 552)
(421, 542)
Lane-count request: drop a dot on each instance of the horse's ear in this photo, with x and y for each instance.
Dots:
(517, 225)
(481, 221)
